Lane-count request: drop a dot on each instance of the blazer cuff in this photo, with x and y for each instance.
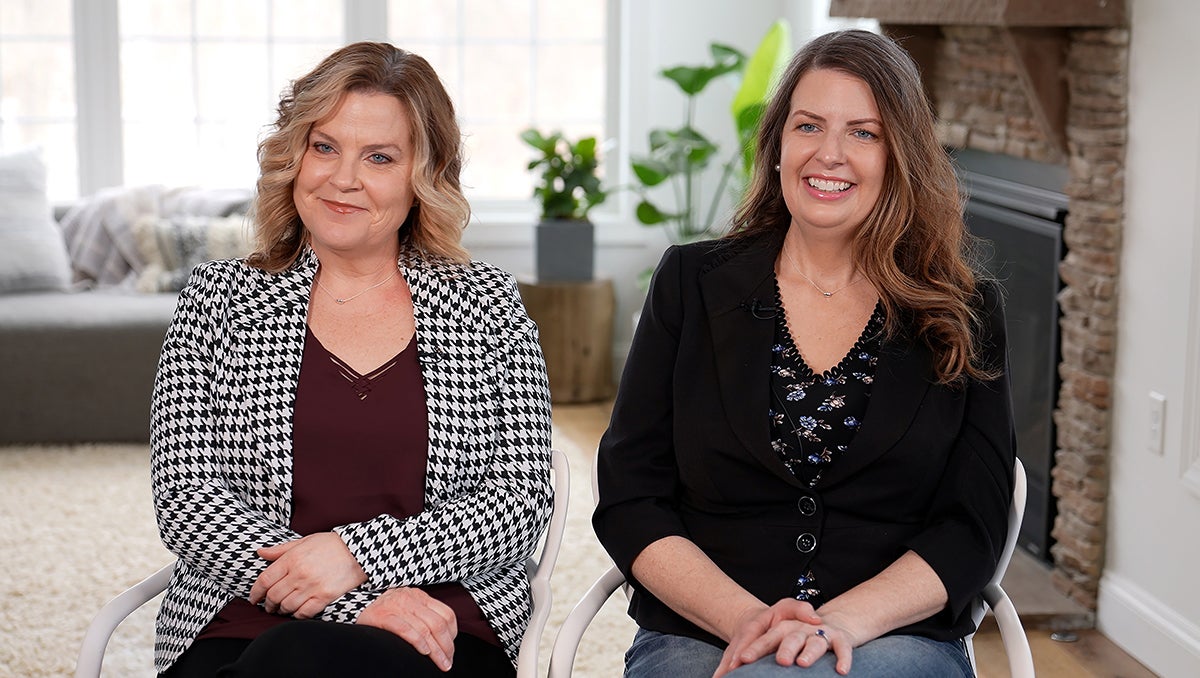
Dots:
(627, 529)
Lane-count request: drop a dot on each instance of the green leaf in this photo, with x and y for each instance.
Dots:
(691, 79)
(586, 147)
(661, 137)
(747, 127)
(650, 215)
(651, 172)
(532, 137)
(762, 70)
(568, 185)
(728, 58)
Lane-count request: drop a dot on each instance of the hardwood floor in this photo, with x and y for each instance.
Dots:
(1091, 655)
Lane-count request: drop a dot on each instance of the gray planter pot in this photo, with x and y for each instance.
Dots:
(564, 250)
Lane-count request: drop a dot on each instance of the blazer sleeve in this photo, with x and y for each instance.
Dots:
(210, 528)
(969, 517)
(499, 522)
(636, 466)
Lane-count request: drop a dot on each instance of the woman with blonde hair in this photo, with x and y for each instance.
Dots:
(810, 459)
(351, 426)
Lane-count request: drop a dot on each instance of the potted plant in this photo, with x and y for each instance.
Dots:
(564, 242)
(679, 157)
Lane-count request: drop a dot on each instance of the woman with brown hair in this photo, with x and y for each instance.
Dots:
(351, 426)
(810, 458)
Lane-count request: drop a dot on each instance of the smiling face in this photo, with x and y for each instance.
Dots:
(354, 189)
(833, 156)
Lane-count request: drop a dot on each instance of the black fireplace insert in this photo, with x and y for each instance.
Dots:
(1017, 208)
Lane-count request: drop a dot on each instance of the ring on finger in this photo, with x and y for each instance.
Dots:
(821, 634)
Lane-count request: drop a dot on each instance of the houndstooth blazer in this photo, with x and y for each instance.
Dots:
(221, 444)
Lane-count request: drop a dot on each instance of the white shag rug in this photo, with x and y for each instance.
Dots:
(77, 528)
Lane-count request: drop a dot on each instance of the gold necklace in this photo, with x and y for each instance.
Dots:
(796, 266)
(352, 297)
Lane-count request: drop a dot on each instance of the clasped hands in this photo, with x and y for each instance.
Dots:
(309, 573)
(793, 631)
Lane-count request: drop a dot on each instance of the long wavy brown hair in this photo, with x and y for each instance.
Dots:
(913, 246)
(440, 213)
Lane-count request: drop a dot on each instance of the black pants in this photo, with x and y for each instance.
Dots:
(320, 649)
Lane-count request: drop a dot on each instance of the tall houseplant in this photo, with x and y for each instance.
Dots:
(679, 157)
(564, 242)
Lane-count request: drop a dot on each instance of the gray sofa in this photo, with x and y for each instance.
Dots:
(79, 366)
(77, 361)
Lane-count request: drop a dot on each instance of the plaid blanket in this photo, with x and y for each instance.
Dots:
(99, 230)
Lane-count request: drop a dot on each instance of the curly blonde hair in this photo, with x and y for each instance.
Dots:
(913, 246)
(440, 213)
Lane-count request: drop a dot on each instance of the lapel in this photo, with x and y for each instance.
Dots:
(738, 292)
(268, 331)
(902, 380)
(435, 298)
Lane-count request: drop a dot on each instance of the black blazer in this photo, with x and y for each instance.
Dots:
(687, 452)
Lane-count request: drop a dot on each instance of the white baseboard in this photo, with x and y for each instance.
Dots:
(1157, 636)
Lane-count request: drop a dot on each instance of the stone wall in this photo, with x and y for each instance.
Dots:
(983, 105)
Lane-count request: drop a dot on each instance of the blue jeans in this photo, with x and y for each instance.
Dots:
(660, 655)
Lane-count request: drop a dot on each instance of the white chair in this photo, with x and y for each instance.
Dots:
(95, 640)
(1012, 633)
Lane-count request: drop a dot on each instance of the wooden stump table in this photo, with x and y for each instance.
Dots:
(575, 325)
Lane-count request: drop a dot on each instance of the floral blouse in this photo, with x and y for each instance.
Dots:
(815, 416)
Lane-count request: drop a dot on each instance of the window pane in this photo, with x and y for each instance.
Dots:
(37, 86)
(197, 96)
(322, 20)
(57, 140)
(571, 84)
(39, 77)
(156, 81)
(582, 21)
(509, 64)
(496, 160)
(158, 18)
(223, 19)
(422, 20)
(43, 18)
(508, 20)
(222, 97)
(161, 151)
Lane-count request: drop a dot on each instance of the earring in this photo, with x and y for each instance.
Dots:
(776, 167)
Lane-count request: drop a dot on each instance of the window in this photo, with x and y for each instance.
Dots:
(37, 85)
(199, 80)
(509, 64)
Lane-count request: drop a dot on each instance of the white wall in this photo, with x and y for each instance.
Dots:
(1150, 590)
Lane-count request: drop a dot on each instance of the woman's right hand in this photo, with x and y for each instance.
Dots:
(787, 628)
(426, 623)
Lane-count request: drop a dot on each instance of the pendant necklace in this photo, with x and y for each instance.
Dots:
(341, 301)
(796, 266)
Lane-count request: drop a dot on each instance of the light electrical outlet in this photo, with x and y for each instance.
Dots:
(1158, 415)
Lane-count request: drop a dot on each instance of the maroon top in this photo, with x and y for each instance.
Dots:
(360, 446)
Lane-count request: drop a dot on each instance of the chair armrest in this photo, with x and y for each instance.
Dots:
(95, 640)
(542, 568)
(1012, 633)
(566, 643)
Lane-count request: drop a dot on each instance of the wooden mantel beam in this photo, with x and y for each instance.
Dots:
(1014, 13)
(1041, 55)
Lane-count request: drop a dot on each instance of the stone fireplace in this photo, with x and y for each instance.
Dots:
(1046, 81)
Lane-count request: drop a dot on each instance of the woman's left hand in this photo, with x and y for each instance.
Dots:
(794, 633)
(305, 575)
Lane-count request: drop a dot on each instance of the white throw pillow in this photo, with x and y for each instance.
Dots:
(171, 246)
(32, 253)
